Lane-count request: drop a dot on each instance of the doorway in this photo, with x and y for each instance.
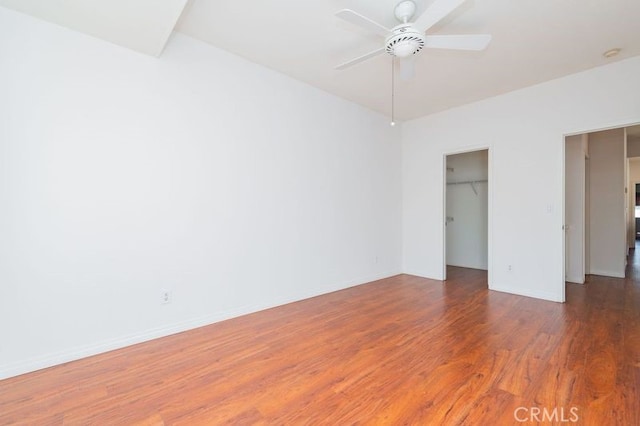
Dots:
(636, 214)
(467, 210)
(599, 202)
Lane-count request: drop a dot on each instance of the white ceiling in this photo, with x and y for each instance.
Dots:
(142, 25)
(533, 41)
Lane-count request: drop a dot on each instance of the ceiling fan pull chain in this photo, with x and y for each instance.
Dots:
(393, 81)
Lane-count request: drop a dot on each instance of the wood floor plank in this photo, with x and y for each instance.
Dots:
(404, 350)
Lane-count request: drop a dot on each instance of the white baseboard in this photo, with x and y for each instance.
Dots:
(536, 294)
(52, 359)
(520, 292)
(575, 279)
(482, 267)
(56, 358)
(605, 273)
(423, 274)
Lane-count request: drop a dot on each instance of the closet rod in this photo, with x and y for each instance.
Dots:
(467, 182)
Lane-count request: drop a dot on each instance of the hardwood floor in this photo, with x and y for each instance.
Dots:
(403, 350)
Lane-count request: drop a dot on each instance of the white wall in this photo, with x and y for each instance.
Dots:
(525, 132)
(633, 146)
(467, 233)
(607, 203)
(233, 186)
(574, 156)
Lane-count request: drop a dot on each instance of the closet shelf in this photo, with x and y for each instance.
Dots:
(469, 182)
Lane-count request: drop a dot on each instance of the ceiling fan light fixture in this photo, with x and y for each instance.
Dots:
(405, 48)
(405, 41)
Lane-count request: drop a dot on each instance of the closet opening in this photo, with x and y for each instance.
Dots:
(467, 211)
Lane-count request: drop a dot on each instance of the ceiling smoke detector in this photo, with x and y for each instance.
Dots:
(611, 53)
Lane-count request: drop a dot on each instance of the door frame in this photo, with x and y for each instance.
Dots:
(619, 125)
(568, 230)
(633, 212)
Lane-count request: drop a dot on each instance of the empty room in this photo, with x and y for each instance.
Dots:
(341, 212)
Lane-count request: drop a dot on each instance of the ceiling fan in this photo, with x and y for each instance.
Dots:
(405, 40)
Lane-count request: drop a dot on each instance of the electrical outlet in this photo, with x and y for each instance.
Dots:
(509, 268)
(165, 297)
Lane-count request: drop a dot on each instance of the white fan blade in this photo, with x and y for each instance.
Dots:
(408, 67)
(363, 22)
(360, 59)
(458, 42)
(434, 13)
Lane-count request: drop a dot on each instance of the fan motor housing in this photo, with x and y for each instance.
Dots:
(405, 41)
